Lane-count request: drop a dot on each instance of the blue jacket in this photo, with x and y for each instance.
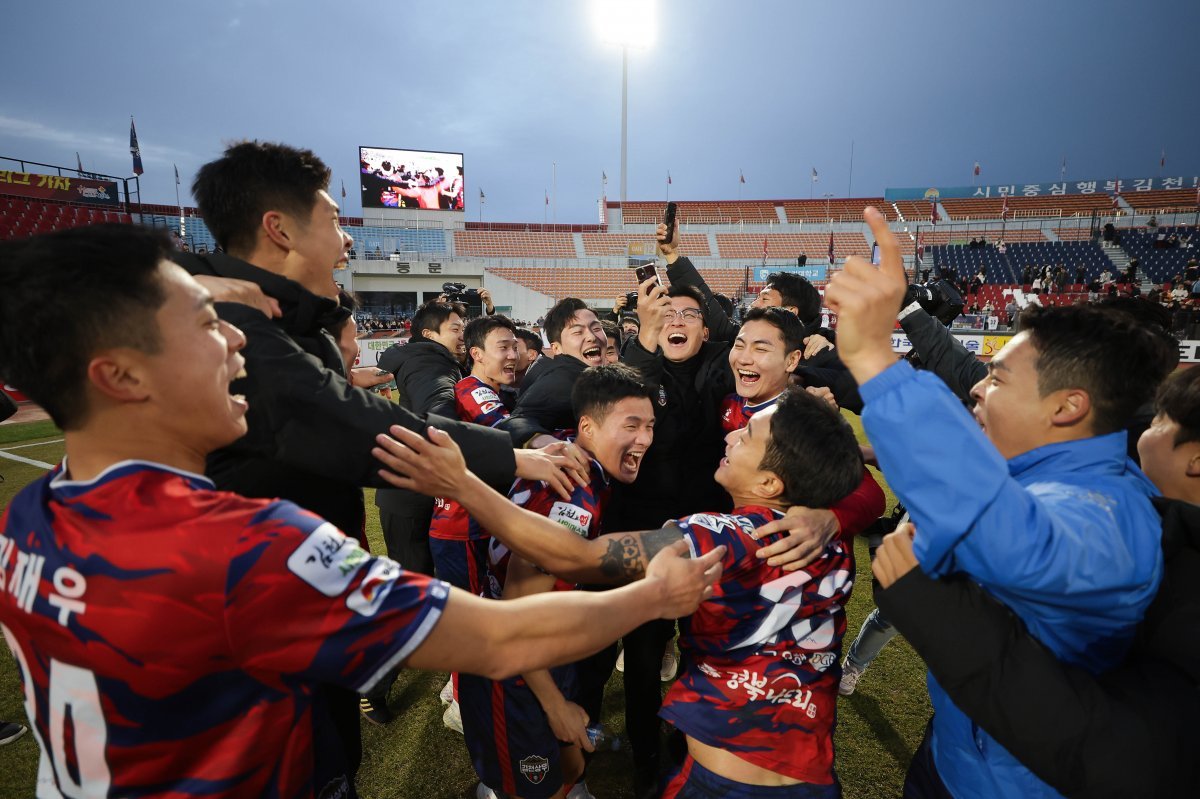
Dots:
(1064, 534)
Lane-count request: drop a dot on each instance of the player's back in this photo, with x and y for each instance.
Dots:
(762, 652)
(145, 607)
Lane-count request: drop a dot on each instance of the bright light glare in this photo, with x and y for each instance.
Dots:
(626, 22)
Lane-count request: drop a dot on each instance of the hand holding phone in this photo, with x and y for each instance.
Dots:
(669, 221)
(646, 272)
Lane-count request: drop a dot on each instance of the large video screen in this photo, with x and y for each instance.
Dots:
(411, 179)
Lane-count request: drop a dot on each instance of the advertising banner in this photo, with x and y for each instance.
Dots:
(62, 188)
(1103, 186)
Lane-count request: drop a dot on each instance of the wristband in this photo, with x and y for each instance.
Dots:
(907, 310)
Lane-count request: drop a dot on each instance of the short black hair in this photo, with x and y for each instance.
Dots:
(559, 316)
(795, 290)
(598, 388)
(251, 178)
(688, 290)
(65, 296)
(1117, 360)
(531, 339)
(433, 314)
(725, 303)
(786, 322)
(612, 331)
(1179, 400)
(812, 450)
(476, 332)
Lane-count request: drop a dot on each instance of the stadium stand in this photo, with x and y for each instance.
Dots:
(964, 262)
(603, 283)
(912, 210)
(1158, 263)
(843, 210)
(1163, 202)
(503, 244)
(758, 212)
(693, 245)
(1048, 206)
(789, 245)
(22, 217)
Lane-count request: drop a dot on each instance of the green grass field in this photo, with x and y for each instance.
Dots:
(415, 757)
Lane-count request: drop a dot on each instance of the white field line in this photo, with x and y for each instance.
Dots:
(39, 444)
(30, 461)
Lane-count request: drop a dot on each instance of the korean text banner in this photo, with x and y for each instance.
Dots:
(1103, 186)
(62, 188)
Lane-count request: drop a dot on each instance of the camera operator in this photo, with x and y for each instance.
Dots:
(425, 369)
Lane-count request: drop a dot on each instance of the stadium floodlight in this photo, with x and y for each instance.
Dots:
(629, 23)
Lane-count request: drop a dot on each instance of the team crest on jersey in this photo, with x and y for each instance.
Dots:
(327, 560)
(571, 516)
(366, 599)
(662, 396)
(535, 769)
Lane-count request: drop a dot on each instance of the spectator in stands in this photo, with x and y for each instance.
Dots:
(1196, 290)
(1053, 411)
(1105, 276)
(1027, 275)
(1010, 312)
(1036, 286)
(1152, 222)
(1001, 247)
(1080, 274)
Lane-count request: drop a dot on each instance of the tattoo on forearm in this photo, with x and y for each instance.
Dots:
(627, 555)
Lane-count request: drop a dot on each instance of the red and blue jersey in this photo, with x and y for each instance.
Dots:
(182, 631)
(478, 403)
(762, 652)
(581, 515)
(736, 411)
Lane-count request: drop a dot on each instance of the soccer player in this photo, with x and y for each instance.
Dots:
(514, 728)
(767, 350)
(181, 631)
(758, 698)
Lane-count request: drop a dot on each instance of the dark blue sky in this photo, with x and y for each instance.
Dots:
(773, 88)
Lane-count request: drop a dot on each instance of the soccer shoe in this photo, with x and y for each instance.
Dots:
(447, 694)
(580, 791)
(850, 677)
(11, 731)
(621, 662)
(484, 792)
(452, 718)
(670, 662)
(374, 711)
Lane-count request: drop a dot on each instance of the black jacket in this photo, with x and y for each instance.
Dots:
(425, 374)
(1129, 732)
(311, 432)
(942, 353)
(7, 406)
(544, 404)
(676, 477)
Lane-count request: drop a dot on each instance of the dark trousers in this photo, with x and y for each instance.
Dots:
(922, 780)
(407, 540)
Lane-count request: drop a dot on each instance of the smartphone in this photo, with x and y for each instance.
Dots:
(645, 272)
(875, 254)
(669, 221)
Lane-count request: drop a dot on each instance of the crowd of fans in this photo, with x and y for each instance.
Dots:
(672, 478)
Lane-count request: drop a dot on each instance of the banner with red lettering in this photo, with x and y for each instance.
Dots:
(62, 188)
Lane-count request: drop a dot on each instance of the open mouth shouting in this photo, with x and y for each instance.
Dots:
(239, 400)
(593, 354)
(631, 462)
(747, 380)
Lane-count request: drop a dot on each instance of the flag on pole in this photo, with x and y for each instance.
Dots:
(1062, 172)
(134, 150)
(1004, 208)
(831, 248)
(741, 177)
(482, 196)
(976, 168)
(1162, 159)
(603, 177)
(547, 198)
(815, 176)
(78, 163)
(764, 248)
(933, 214)
(920, 246)
(1116, 192)
(343, 189)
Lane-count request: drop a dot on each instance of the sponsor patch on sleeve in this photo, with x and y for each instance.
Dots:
(327, 560)
(572, 517)
(374, 588)
(484, 394)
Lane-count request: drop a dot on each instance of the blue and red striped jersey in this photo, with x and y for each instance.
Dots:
(182, 629)
(736, 412)
(762, 652)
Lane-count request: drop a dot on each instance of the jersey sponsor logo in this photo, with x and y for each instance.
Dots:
(535, 768)
(374, 588)
(662, 396)
(571, 516)
(488, 407)
(721, 522)
(484, 394)
(327, 560)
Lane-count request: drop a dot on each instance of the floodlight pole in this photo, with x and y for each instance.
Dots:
(624, 124)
